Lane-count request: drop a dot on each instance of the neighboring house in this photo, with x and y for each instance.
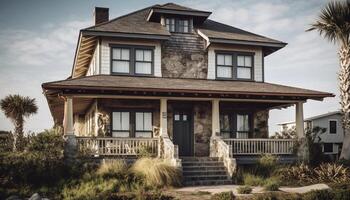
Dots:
(169, 79)
(332, 139)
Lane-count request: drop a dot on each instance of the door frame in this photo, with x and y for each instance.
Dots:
(189, 108)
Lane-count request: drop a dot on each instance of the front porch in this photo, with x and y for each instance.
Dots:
(173, 127)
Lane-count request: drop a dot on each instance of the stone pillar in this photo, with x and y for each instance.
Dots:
(299, 128)
(68, 128)
(215, 128)
(163, 114)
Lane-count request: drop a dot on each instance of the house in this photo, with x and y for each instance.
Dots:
(332, 139)
(168, 79)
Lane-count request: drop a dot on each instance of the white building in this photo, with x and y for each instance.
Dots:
(332, 139)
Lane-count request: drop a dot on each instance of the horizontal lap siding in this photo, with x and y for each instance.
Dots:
(258, 60)
(105, 54)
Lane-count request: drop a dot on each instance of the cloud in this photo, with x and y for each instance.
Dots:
(28, 58)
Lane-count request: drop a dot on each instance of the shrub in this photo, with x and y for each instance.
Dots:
(343, 194)
(244, 189)
(145, 151)
(332, 173)
(253, 180)
(271, 185)
(277, 196)
(223, 196)
(300, 173)
(319, 195)
(112, 169)
(267, 164)
(157, 173)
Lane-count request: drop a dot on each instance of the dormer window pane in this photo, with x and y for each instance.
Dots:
(221, 60)
(228, 60)
(248, 61)
(125, 54)
(240, 60)
(170, 24)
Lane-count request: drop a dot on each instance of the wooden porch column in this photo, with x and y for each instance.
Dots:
(215, 123)
(303, 154)
(68, 126)
(299, 119)
(70, 147)
(163, 132)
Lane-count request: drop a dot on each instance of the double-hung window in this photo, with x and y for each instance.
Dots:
(235, 125)
(121, 124)
(224, 66)
(132, 124)
(143, 61)
(170, 24)
(132, 60)
(143, 122)
(244, 67)
(236, 66)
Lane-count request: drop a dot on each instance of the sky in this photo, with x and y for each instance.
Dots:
(38, 40)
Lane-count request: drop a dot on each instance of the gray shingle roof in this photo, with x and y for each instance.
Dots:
(133, 83)
(217, 30)
(134, 22)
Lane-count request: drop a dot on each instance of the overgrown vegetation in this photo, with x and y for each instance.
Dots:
(223, 196)
(157, 173)
(244, 189)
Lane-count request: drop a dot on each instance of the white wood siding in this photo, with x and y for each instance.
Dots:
(105, 54)
(258, 60)
(94, 63)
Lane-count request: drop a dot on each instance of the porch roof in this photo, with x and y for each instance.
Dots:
(198, 87)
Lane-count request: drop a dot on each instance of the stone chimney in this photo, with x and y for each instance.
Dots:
(101, 15)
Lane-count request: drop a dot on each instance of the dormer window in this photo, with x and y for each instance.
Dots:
(178, 25)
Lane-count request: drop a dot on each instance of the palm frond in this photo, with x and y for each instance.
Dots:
(333, 22)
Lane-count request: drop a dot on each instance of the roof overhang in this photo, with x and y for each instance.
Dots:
(269, 47)
(198, 16)
(125, 35)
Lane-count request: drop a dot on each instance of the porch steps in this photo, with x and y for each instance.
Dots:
(204, 171)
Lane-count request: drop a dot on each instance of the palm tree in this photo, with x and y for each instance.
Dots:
(334, 24)
(16, 108)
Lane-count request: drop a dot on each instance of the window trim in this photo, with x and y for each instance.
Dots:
(177, 24)
(132, 56)
(132, 121)
(323, 149)
(235, 66)
(329, 126)
(233, 122)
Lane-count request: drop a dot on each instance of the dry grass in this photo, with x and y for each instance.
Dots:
(157, 173)
(112, 168)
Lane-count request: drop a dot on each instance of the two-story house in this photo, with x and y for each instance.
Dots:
(332, 139)
(169, 79)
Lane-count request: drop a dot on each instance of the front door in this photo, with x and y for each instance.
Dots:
(182, 133)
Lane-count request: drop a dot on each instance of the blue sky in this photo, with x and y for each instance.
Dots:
(38, 40)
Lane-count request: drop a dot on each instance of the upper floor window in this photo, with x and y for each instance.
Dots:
(132, 60)
(178, 25)
(332, 126)
(234, 66)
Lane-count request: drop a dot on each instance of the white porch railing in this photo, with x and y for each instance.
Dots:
(110, 146)
(255, 146)
(170, 152)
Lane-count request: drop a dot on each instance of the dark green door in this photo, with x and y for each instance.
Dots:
(183, 136)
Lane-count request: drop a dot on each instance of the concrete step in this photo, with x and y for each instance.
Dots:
(204, 173)
(189, 159)
(207, 182)
(205, 177)
(203, 168)
(202, 163)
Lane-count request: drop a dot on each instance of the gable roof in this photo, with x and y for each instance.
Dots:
(173, 6)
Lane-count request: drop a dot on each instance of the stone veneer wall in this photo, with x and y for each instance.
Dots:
(202, 128)
(261, 128)
(184, 56)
